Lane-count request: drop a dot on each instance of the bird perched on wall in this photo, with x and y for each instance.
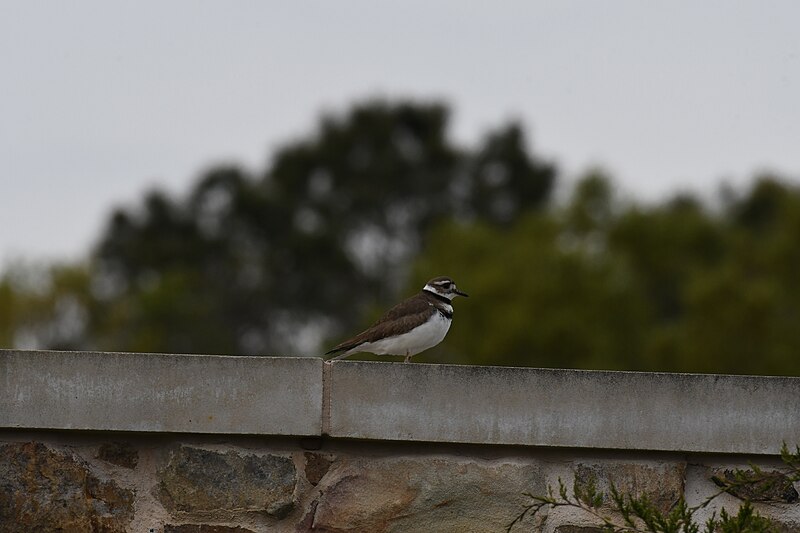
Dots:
(410, 327)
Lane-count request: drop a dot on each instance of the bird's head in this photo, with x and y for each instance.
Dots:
(443, 286)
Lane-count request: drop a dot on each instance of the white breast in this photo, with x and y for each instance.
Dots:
(415, 341)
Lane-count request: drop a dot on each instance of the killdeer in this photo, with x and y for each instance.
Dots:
(414, 325)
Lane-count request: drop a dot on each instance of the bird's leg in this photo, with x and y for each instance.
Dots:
(408, 357)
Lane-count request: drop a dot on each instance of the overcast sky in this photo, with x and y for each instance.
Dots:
(102, 100)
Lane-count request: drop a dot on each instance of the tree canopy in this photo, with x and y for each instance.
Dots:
(594, 284)
(377, 200)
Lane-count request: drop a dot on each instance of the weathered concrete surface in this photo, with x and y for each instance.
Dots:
(200, 480)
(563, 408)
(157, 392)
(45, 489)
(397, 402)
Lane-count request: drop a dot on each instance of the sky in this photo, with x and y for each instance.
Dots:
(101, 101)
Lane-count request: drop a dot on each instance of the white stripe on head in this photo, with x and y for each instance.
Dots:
(438, 290)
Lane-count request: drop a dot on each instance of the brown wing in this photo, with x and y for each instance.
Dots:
(401, 317)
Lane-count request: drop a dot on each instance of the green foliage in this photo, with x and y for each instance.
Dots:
(637, 514)
(45, 304)
(600, 284)
(542, 301)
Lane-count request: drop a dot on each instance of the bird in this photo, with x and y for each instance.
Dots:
(410, 327)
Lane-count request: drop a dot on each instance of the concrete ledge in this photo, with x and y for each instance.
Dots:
(397, 402)
(564, 408)
(162, 393)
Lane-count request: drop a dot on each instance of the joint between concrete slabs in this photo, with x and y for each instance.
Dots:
(326, 398)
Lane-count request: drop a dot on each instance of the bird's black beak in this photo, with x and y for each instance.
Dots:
(464, 294)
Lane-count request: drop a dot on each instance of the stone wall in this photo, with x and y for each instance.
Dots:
(191, 444)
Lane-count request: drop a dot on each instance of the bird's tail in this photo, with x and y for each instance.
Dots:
(340, 356)
(346, 349)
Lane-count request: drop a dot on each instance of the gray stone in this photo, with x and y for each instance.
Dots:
(200, 480)
(662, 483)
(44, 489)
(765, 486)
(160, 392)
(563, 408)
(786, 527)
(421, 494)
(579, 529)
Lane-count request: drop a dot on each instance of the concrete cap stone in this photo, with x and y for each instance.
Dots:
(160, 393)
(397, 402)
(563, 408)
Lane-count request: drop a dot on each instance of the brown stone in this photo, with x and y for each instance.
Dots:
(662, 483)
(204, 528)
(579, 529)
(43, 489)
(118, 453)
(418, 494)
(307, 522)
(766, 486)
(317, 465)
(196, 479)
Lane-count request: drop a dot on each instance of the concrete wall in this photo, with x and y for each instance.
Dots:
(179, 444)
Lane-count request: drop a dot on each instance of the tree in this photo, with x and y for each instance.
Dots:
(278, 261)
(376, 201)
(598, 283)
(542, 297)
(44, 305)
